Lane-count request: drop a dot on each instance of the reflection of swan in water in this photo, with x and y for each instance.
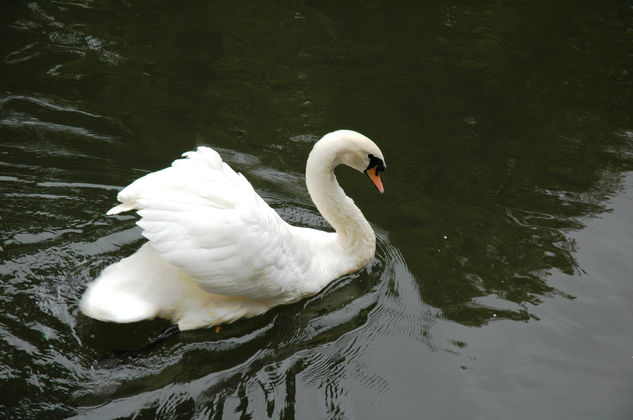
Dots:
(217, 252)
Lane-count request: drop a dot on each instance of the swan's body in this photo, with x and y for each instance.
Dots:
(217, 252)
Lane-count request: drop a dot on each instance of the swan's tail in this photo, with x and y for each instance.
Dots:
(144, 286)
(133, 289)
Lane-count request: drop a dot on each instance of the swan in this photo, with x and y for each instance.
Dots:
(216, 252)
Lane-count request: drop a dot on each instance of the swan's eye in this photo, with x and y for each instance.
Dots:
(375, 162)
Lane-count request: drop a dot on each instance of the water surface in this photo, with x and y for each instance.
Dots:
(501, 283)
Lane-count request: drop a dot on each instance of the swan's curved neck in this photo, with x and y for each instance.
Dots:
(353, 231)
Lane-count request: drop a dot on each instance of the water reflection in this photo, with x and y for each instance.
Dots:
(496, 195)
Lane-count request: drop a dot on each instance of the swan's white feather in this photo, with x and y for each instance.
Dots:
(205, 218)
(145, 285)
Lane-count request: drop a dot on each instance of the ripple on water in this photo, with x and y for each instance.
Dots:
(54, 115)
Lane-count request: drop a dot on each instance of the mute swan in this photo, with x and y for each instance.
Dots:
(217, 252)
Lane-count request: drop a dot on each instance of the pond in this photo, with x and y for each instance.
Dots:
(501, 285)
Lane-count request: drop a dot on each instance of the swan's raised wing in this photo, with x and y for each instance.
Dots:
(204, 217)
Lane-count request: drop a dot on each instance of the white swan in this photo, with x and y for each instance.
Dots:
(217, 252)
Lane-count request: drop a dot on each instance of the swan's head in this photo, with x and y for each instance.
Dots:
(350, 148)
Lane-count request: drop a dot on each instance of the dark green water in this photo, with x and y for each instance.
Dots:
(502, 283)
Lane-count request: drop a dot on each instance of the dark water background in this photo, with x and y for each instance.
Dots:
(502, 285)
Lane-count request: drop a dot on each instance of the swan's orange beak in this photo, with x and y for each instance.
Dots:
(374, 176)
